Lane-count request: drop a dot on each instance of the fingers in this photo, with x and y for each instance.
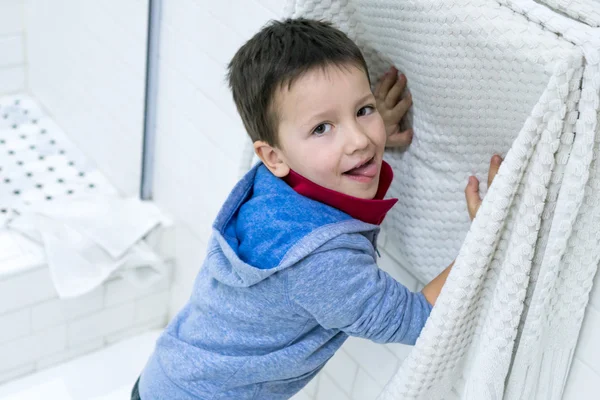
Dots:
(400, 140)
(395, 93)
(472, 189)
(400, 110)
(472, 196)
(495, 163)
(387, 81)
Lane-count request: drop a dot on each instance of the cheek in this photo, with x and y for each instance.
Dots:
(377, 130)
(314, 158)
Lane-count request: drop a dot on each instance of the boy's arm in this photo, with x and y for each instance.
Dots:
(432, 290)
(342, 288)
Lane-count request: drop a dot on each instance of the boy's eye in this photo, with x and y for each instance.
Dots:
(366, 110)
(322, 128)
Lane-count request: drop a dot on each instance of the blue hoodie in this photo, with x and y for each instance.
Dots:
(285, 281)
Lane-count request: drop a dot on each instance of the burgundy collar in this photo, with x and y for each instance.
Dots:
(370, 211)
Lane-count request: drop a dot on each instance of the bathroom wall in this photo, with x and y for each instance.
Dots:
(86, 66)
(12, 51)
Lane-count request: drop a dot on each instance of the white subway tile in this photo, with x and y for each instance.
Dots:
(342, 369)
(400, 350)
(156, 323)
(32, 347)
(365, 387)
(395, 254)
(11, 17)
(70, 353)
(191, 251)
(18, 291)
(328, 390)
(582, 383)
(120, 290)
(193, 20)
(243, 16)
(100, 324)
(11, 48)
(180, 294)
(122, 12)
(152, 306)
(374, 358)
(216, 125)
(276, 6)
(312, 386)
(382, 238)
(15, 324)
(162, 240)
(59, 311)
(301, 396)
(12, 79)
(588, 346)
(17, 372)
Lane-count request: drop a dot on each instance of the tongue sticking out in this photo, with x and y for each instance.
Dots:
(367, 170)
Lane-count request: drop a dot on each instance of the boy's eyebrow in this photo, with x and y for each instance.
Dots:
(366, 97)
(323, 114)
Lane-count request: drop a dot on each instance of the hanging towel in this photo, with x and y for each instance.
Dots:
(586, 11)
(508, 77)
(91, 238)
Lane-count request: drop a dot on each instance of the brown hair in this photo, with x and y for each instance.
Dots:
(278, 55)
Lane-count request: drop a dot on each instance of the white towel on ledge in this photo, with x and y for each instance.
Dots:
(86, 240)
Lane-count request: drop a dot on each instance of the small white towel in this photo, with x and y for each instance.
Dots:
(89, 239)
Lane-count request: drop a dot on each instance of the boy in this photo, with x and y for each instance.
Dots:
(291, 268)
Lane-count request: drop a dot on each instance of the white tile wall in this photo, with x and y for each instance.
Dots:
(18, 323)
(26, 289)
(86, 65)
(12, 57)
(30, 348)
(59, 311)
(38, 329)
(200, 140)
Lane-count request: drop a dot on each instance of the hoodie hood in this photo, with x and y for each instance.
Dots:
(265, 226)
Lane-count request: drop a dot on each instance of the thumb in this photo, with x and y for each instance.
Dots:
(472, 196)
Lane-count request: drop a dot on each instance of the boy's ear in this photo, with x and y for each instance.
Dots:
(272, 158)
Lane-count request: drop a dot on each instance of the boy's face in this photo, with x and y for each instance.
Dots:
(329, 131)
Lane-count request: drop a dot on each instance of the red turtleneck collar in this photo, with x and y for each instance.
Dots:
(370, 211)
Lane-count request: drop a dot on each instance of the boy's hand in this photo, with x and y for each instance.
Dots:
(472, 189)
(392, 106)
(432, 290)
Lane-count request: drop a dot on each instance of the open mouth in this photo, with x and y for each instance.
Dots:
(365, 170)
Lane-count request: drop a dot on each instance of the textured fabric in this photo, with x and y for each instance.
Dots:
(371, 211)
(508, 77)
(256, 333)
(587, 11)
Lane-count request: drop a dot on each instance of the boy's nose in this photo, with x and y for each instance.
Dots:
(356, 139)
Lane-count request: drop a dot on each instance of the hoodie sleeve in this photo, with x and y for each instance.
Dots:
(343, 288)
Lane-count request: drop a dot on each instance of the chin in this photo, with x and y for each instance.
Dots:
(366, 194)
